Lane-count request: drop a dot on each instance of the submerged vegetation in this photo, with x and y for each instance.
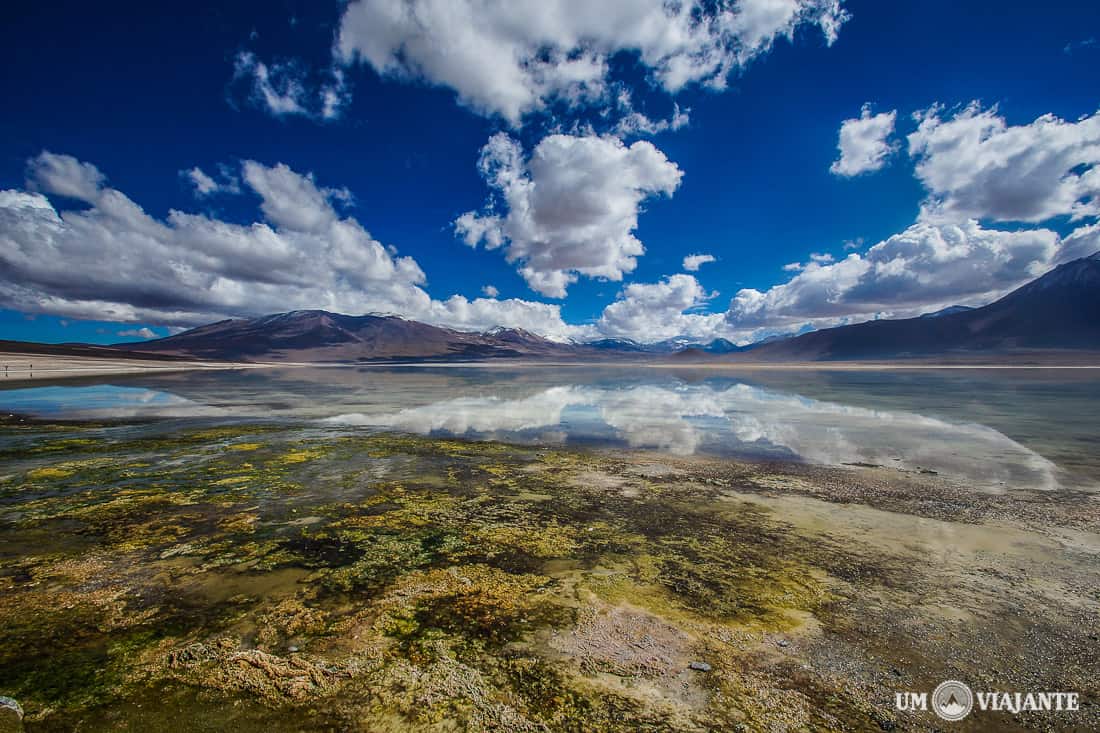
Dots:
(281, 578)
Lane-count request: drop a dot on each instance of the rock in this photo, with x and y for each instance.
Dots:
(783, 643)
(700, 666)
(11, 716)
(292, 649)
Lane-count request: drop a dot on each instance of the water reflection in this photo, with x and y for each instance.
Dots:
(957, 425)
(738, 420)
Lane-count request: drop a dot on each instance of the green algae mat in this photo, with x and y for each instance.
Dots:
(284, 577)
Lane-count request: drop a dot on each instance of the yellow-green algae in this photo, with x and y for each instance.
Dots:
(393, 582)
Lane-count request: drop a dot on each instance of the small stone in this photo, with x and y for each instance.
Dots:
(292, 649)
(7, 703)
(700, 666)
(783, 643)
(11, 716)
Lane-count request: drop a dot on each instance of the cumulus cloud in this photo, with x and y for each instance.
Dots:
(975, 165)
(571, 209)
(482, 313)
(926, 265)
(864, 145)
(490, 291)
(511, 58)
(1081, 242)
(692, 263)
(975, 168)
(661, 310)
(113, 261)
(64, 175)
(141, 333)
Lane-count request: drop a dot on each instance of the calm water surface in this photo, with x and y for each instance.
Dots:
(989, 429)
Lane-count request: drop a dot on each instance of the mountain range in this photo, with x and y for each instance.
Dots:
(1058, 312)
(321, 336)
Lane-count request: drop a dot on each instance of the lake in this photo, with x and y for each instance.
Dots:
(989, 428)
(547, 548)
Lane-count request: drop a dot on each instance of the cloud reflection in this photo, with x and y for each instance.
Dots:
(739, 419)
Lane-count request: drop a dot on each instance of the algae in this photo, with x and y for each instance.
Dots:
(389, 582)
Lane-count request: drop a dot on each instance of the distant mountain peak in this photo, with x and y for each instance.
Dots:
(948, 311)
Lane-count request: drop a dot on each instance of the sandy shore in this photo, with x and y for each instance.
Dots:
(16, 366)
(21, 366)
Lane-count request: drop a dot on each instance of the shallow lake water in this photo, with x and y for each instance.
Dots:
(989, 428)
(545, 549)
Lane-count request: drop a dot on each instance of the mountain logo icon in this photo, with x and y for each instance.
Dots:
(952, 700)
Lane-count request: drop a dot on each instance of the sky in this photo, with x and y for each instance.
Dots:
(626, 169)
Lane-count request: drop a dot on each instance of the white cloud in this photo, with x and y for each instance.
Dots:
(141, 333)
(113, 261)
(206, 185)
(657, 311)
(291, 200)
(926, 265)
(634, 123)
(975, 165)
(571, 209)
(511, 58)
(285, 89)
(692, 263)
(490, 291)
(1081, 242)
(483, 313)
(863, 143)
(279, 88)
(64, 175)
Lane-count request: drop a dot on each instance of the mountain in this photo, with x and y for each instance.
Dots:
(617, 344)
(668, 346)
(316, 335)
(948, 311)
(1060, 310)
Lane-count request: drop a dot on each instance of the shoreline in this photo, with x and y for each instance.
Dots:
(28, 367)
(24, 367)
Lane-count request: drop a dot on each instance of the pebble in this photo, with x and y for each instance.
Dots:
(783, 643)
(292, 649)
(700, 666)
(7, 703)
(11, 716)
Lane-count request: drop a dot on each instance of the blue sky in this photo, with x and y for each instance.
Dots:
(309, 198)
